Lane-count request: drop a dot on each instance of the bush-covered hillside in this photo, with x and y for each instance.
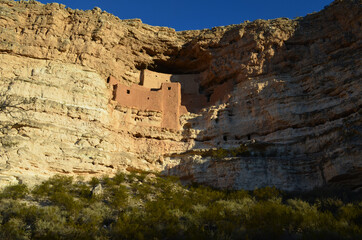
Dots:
(147, 206)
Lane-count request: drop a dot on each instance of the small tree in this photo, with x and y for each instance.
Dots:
(12, 106)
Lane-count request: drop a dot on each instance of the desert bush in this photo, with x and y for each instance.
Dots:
(65, 200)
(237, 195)
(129, 226)
(221, 153)
(160, 216)
(270, 216)
(91, 221)
(139, 176)
(106, 181)
(94, 182)
(52, 185)
(117, 196)
(15, 209)
(144, 191)
(205, 195)
(52, 224)
(328, 204)
(266, 193)
(352, 213)
(132, 208)
(242, 150)
(15, 191)
(81, 190)
(15, 228)
(119, 178)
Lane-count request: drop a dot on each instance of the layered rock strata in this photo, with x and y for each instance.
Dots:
(285, 91)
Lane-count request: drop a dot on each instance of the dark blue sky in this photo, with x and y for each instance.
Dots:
(199, 14)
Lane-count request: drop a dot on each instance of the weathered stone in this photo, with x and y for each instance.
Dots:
(289, 90)
(97, 190)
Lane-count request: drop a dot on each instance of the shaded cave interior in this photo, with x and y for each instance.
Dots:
(190, 71)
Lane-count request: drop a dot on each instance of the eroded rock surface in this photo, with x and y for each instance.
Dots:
(289, 91)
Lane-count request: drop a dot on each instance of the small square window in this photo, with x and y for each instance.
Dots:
(128, 91)
(169, 88)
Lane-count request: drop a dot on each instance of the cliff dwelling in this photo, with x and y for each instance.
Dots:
(155, 92)
(287, 91)
(171, 94)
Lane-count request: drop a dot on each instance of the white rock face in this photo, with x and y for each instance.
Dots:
(63, 122)
(294, 108)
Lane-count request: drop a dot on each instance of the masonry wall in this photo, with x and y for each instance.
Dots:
(171, 93)
(189, 82)
(167, 100)
(149, 97)
(150, 79)
(136, 96)
(190, 96)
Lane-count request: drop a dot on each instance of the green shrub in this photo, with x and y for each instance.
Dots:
(91, 220)
(206, 195)
(240, 151)
(269, 218)
(65, 200)
(119, 178)
(60, 208)
(143, 191)
(18, 191)
(51, 224)
(141, 177)
(238, 195)
(117, 196)
(15, 228)
(352, 213)
(221, 153)
(54, 184)
(329, 204)
(129, 225)
(16, 209)
(94, 182)
(81, 190)
(266, 193)
(107, 181)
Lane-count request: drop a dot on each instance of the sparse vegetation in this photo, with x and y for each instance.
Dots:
(221, 153)
(147, 206)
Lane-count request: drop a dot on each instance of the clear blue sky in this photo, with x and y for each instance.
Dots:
(199, 14)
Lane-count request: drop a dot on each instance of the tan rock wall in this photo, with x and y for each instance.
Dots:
(222, 92)
(66, 124)
(296, 96)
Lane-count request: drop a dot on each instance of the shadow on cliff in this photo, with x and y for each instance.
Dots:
(12, 107)
(320, 39)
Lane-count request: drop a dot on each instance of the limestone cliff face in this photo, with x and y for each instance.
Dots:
(288, 91)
